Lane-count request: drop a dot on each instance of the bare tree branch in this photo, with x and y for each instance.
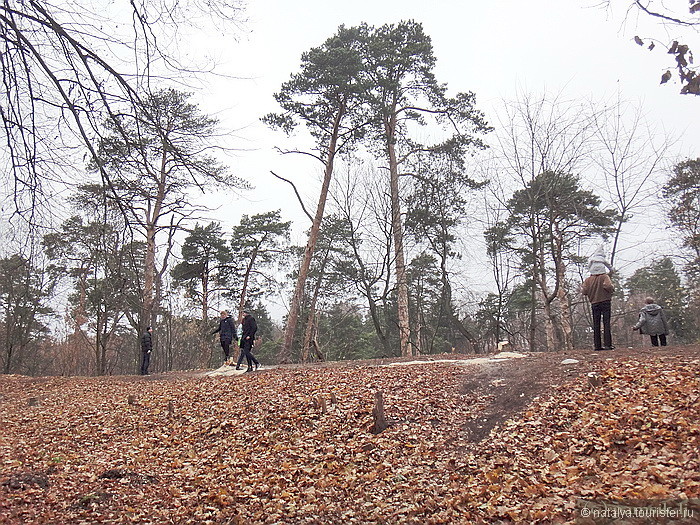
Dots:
(301, 203)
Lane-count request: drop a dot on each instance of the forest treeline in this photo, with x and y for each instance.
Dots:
(423, 204)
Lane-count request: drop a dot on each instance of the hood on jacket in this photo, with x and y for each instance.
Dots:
(652, 309)
(599, 254)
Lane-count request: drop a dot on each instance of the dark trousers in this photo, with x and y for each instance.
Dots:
(601, 312)
(247, 352)
(226, 347)
(655, 339)
(145, 361)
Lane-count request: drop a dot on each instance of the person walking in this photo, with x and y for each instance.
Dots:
(652, 321)
(226, 331)
(249, 328)
(599, 290)
(146, 349)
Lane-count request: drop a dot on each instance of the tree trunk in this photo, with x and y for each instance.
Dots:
(295, 306)
(246, 280)
(317, 349)
(550, 319)
(533, 298)
(149, 272)
(9, 349)
(149, 268)
(204, 347)
(308, 331)
(565, 314)
(311, 320)
(549, 326)
(98, 344)
(397, 229)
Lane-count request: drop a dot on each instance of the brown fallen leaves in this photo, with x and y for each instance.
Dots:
(294, 446)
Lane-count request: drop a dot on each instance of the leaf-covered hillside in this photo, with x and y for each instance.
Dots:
(511, 441)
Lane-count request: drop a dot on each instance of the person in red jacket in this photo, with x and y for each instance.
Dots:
(599, 290)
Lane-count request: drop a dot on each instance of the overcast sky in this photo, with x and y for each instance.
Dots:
(496, 49)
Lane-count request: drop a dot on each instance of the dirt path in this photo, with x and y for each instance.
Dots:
(511, 385)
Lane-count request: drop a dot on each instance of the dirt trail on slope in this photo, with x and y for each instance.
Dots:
(509, 386)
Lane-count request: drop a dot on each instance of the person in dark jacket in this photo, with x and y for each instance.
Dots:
(652, 321)
(249, 328)
(226, 331)
(599, 290)
(146, 349)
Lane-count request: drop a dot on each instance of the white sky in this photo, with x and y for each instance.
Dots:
(495, 48)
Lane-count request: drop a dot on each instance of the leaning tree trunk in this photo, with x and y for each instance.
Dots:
(295, 306)
(311, 320)
(246, 280)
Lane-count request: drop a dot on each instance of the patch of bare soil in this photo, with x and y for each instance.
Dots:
(509, 386)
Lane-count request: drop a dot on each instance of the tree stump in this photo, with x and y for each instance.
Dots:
(380, 424)
(320, 403)
(131, 399)
(594, 380)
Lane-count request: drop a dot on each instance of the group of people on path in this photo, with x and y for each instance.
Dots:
(244, 337)
(598, 287)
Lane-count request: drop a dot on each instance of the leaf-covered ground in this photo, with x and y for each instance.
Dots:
(519, 441)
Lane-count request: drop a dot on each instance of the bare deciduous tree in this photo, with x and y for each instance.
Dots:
(631, 158)
(542, 135)
(66, 68)
(154, 158)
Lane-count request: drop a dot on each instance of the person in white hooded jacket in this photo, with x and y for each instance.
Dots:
(652, 321)
(598, 264)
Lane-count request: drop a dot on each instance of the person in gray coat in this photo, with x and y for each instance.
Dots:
(652, 321)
